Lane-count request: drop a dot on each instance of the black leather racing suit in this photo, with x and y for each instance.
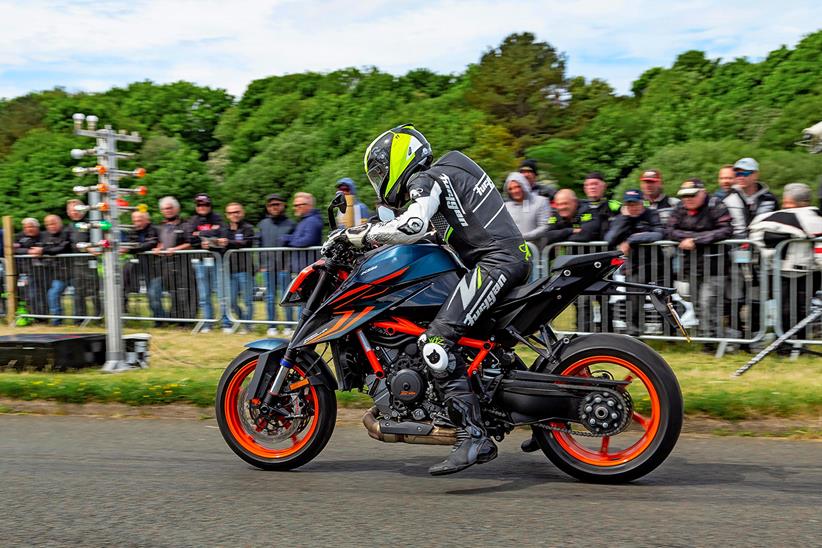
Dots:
(461, 201)
(463, 204)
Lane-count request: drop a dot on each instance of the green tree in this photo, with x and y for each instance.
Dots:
(36, 177)
(520, 85)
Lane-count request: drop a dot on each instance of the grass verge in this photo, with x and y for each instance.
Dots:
(185, 368)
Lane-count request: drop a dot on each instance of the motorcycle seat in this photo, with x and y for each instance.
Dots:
(522, 291)
(566, 261)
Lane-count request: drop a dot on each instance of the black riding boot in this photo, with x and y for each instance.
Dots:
(473, 444)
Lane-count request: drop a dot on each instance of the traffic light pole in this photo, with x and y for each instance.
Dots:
(113, 291)
(104, 215)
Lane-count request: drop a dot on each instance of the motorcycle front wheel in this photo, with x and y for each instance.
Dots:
(653, 425)
(282, 441)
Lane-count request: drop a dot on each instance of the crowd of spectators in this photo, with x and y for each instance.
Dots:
(192, 287)
(720, 280)
(179, 286)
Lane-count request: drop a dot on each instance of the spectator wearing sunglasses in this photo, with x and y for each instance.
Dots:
(274, 264)
(236, 234)
(307, 233)
(748, 197)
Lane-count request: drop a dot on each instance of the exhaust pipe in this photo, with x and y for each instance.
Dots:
(438, 436)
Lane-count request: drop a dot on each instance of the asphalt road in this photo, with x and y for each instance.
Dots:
(68, 481)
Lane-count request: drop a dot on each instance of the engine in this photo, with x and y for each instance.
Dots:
(406, 391)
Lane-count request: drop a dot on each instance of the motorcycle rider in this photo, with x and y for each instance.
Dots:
(462, 203)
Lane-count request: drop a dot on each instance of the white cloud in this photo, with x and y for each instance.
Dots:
(228, 44)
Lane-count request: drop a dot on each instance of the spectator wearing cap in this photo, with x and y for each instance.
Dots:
(529, 210)
(697, 223)
(595, 187)
(636, 224)
(747, 199)
(546, 189)
(751, 198)
(650, 181)
(276, 274)
(360, 210)
(800, 265)
(204, 226)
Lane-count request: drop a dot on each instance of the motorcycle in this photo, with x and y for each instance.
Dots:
(602, 407)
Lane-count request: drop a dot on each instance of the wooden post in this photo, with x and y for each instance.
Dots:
(11, 269)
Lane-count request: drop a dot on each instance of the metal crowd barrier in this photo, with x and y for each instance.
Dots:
(256, 279)
(796, 269)
(723, 292)
(59, 287)
(723, 288)
(184, 287)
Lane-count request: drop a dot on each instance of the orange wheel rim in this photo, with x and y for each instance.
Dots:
(649, 425)
(237, 425)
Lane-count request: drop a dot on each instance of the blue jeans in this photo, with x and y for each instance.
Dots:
(274, 292)
(55, 291)
(155, 297)
(208, 280)
(241, 283)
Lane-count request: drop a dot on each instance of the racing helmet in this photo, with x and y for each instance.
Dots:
(392, 158)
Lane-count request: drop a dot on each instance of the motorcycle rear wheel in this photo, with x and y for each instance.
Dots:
(283, 444)
(653, 429)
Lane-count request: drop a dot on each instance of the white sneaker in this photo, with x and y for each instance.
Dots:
(287, 332)
(272, 332)
(205, 329)
(228, 330)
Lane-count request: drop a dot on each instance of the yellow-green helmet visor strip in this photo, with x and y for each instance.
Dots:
(400, 158)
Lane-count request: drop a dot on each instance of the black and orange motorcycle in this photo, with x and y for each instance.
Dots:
(602, 407)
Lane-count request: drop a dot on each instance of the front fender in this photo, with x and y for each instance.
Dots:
(276, 347)
(271, 350)
(268, 344)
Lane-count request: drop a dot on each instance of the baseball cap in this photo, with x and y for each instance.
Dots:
(746, 164)
(632, 195)
(529, 165)
(274, 197)
(690, 187)
(202, 198)
(651, 175)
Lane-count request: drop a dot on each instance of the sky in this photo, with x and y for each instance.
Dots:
(93, 45)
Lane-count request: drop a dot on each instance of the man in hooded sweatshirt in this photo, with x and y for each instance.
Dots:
(361, 212)
(529, 210)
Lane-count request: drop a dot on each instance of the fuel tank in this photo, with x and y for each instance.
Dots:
(412, 262)
(408, 280)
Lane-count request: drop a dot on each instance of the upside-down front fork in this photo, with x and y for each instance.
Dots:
(290, 357)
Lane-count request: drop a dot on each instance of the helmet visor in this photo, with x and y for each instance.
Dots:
(376, 175)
